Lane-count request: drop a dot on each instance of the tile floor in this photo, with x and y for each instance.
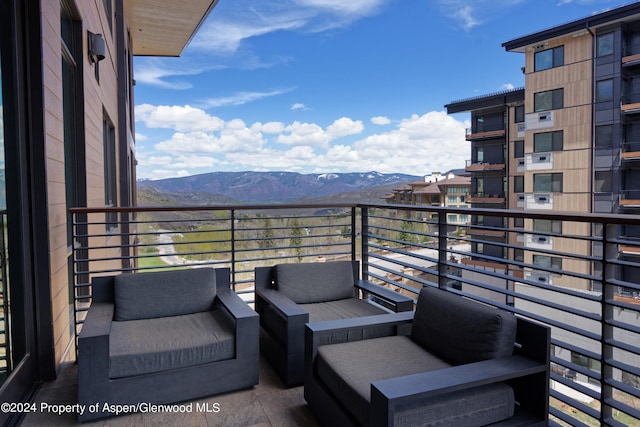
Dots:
(267, 404)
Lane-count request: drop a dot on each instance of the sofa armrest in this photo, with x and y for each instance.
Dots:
(93, 343)
(388, 395)
(395, 301)
(245, 321)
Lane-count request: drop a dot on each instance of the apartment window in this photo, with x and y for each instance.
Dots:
(518, 149)
(604, 90)
(547, 226)
(547, 182)
(547, 141)
(463, 218)
(518, 222)
(549, 58)
(604, 136)
(548, 100)
(518, 114)
(108, 10)
(110, 177)
(452, 218)
(548, 261)
(518, 184)
(518, 255)
(604, 44)
(479, 154)
(603, 182)
(452, 199)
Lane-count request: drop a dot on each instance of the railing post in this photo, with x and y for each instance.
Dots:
(364, 233)
(232, 215)
(442, 250)
(354, 233)
(609, 271)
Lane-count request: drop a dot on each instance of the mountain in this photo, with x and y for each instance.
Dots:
(279, 187)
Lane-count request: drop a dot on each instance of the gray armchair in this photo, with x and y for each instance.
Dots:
(165, 337)
(463, 364)
(290, 295)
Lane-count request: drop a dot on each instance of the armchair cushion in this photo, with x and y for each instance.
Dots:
(313, 282)
(469, 333)
(341, 309)
(154, 345)
(166, 293)
(342, 370)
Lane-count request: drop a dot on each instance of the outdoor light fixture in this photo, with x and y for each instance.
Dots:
(97, 46)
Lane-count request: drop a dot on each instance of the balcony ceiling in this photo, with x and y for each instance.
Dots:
(164, 27)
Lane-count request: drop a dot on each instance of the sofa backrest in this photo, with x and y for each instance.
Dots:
(163, 293)
(306, 283)
(460, 330)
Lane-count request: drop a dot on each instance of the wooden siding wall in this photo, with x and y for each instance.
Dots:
(99, 97)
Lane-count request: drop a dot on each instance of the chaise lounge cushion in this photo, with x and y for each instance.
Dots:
(470, 333)
(164, 293)
(305, 283)
(153, 345)
(349, 378)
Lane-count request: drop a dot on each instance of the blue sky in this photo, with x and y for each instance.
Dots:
(316, 86)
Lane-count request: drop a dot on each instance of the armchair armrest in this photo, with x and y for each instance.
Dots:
(93, 343)
(281, 303)
(245, 321)
(387, 395)
(396, 301)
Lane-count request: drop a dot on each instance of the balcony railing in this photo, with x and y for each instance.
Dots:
(584, 285)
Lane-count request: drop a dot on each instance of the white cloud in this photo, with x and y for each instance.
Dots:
(303, 134)
(418, 144)
(344, 126)
(181, 118)
(507, 86)
(299, 106)
(241, 98)
(380, 120)
(468, 14)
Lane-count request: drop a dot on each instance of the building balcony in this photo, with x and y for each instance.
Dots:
(630, 151)
(592, 311)
(472, 135)
(486, 198)
(483, 166)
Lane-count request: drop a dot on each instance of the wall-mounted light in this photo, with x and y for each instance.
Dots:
(97, 47)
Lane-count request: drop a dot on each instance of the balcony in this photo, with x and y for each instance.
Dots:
(483, 166)
(630, 151)
(591, 303)
(472, 135)
(486, 198)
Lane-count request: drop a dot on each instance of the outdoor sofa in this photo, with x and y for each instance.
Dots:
(164, 337)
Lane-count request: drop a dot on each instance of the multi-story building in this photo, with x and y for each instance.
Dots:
(568, 141)
(67, 140)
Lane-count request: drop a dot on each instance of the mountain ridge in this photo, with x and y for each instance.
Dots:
(280, 187)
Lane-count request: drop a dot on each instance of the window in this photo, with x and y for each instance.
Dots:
(108, 10)
(603, 182)
(549, 58)
(518, 149)
(604, 136)
(604, 44)
(479, 154)
(518, 184)
(518, 222)
(604, 90)
(547, 226)
(452, 218)
(463, 218)
(518, 255)
(548, 100)
(548, 261)
(110, 177)
(547, 182)
(547, 141)
(452, 199)
(518, 114)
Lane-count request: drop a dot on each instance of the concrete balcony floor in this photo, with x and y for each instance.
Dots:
(267, 404)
